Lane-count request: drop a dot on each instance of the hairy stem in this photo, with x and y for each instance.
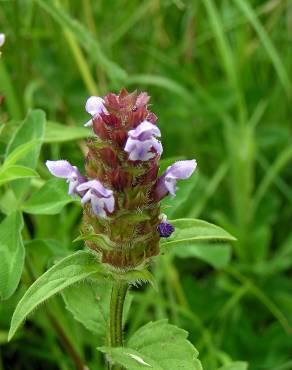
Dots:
(118, 296)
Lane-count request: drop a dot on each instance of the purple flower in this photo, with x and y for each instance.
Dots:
(178, 171)
(65, 170)
(2, 39)
(165, 229)
(94, 106)
(101, 199)
(142, 144)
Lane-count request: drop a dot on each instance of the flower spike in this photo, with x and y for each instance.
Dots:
(121, 193)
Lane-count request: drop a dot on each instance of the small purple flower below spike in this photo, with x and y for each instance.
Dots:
(142, 144)
(101, 199)
(178, 171)
(65, 170)
(165, 229)
(94, 106)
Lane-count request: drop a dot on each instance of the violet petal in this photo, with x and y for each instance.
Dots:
(60, 168)
(94, 105)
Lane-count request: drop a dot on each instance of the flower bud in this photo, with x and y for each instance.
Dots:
(94, 106)
(165, 229)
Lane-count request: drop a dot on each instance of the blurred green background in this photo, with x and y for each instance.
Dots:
(219, 73)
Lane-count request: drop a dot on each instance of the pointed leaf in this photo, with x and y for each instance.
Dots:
(11, 254)
(68, 271)
(20, 151)
(32, 128)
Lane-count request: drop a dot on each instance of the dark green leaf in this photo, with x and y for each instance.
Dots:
(89, 303)
(157, 345)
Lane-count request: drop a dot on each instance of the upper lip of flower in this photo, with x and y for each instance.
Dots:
(144, 131)
(94, 106)
(65, 170)
(97, 187)
(142, 143)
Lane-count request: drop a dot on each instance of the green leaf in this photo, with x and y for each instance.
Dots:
(84, 38)
(19, 152)
(11, 254)
(89, 303)
(58, 133)
(68, 271)
(235, 366)
(14, 172)
(31, 129)
(49, 199)
(217, 255)
(157, 345)
(188, 230)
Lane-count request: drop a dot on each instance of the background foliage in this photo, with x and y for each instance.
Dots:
(218, 74)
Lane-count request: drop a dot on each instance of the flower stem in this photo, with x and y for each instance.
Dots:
(118, 296)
